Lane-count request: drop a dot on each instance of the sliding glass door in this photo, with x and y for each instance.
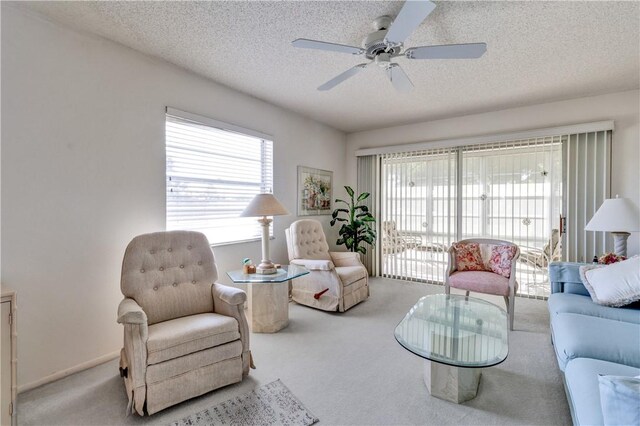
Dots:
(510, 191)
(418, 213)
(513, 192)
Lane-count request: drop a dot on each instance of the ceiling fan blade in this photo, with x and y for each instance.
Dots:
(323, 45)
(399, 79)
(447, 51)
(410, 17)
(342, 77)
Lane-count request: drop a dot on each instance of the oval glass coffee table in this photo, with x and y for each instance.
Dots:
(457, 336)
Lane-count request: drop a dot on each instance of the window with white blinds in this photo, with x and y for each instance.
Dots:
(213, 171)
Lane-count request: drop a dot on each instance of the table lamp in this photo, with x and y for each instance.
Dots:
(618, 216)
(265, 205)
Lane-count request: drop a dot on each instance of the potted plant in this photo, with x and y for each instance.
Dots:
(356, 222)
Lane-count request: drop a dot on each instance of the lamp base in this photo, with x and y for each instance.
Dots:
(266, 268)
(620, 243)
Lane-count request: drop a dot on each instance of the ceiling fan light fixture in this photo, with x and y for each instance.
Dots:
(383, 60)
(387, 41)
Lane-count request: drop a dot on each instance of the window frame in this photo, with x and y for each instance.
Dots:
(227, 127)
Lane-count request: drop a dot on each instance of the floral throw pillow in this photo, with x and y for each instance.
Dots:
(501, 258)
(468, 257)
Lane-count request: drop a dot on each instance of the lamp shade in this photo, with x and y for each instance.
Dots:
(264, 205)
(615, 215)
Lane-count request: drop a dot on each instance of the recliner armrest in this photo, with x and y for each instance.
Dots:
(230, 295)
(314, 264)
(345, 258)
(129, 312)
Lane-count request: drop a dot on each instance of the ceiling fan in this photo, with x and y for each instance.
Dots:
(387, 43)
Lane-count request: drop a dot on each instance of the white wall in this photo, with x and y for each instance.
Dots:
(623, 108)
(83, 172)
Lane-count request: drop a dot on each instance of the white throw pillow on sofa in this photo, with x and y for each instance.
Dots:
(613, 285)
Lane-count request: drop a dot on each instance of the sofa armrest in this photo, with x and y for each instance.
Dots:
(229, 301)
(134, 353)
(314, 265)
(129, 312)
(565, 278)
(227, 294)
(345, 258)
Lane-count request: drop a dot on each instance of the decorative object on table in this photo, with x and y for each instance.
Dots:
(265, 205)
(615, 285)
(355, 228)
(618, 216)
(609, 258)
(184, 334)
(315, 190)
(341, 272)
(270, 404)
(498, 274)
(247, 266)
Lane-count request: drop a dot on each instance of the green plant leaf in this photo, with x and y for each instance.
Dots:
(363, 196)
(349, 190)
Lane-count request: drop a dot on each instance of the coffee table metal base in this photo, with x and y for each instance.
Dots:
(450, 383)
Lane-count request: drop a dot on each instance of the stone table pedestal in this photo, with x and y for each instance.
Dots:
(268, 306)
(455, 384)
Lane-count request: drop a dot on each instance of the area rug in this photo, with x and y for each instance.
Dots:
(270, 404)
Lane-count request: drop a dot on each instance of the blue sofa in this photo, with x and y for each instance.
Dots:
(589, 340)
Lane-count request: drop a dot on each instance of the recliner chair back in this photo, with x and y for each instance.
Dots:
(306, 240)
(169, 274)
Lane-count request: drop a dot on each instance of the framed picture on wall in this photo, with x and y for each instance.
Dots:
(315, 191)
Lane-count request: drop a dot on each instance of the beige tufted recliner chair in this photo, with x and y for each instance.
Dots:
(184, 334)
(337, 281)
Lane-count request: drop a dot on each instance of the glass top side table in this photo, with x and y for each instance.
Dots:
(285, 273)
(268, 297)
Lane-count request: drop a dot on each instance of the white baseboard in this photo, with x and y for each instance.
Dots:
(64, 373)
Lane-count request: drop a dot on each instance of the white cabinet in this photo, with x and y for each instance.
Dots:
(8, 359)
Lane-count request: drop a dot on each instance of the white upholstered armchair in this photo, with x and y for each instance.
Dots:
(184, 334)
(338, 280)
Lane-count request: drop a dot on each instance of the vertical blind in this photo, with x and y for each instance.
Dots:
(367, 182)
(418, 199)
(513, 190)
(212, 175)
(587, 170)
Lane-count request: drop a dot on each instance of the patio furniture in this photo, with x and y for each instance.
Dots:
(394, 241)
(541, 258)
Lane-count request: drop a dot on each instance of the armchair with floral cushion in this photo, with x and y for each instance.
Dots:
(484, 266)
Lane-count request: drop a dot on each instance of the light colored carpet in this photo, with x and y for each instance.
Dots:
(347, 369)
(270, 405)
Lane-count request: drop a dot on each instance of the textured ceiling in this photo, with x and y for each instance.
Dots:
(537, 52)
